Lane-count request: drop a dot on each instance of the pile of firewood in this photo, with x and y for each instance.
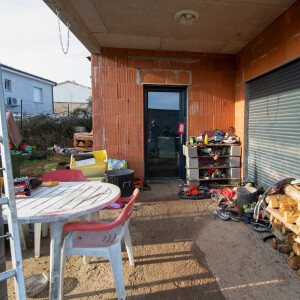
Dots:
(285, 215)
(83, 141)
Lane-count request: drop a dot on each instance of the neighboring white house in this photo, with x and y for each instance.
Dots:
(26, 93)
(70, 95)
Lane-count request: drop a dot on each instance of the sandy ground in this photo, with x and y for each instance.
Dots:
(181, 252)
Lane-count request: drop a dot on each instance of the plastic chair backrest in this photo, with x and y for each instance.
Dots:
(97, 226)
(127, 211)
(64, 176)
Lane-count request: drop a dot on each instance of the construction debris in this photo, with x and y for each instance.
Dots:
(83, 141)
(285, 214)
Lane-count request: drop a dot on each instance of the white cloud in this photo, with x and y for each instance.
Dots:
(30, 42)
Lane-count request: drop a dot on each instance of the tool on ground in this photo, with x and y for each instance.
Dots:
(140, 184)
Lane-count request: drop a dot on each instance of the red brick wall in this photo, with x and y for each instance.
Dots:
(276, 45)
(118, 76)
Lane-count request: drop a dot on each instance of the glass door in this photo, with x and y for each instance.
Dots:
(164, 109)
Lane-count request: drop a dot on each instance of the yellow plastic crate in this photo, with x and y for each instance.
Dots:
(93, 170)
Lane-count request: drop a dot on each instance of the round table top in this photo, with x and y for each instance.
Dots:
(65, 200)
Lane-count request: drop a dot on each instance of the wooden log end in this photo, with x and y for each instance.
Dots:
(292, 192)
(294, 262)
(292, 254)
(277, 224)
(291, 238)
(275, 243)
(296, 248)
(284, 248)
(286, 230)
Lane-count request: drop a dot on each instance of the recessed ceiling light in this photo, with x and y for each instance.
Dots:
(186, 16)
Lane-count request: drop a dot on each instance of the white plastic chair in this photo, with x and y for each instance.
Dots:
(101, 240)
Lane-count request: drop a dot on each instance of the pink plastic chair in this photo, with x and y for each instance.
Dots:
(64, 176)
(101, 240)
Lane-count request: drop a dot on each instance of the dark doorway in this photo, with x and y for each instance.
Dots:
(165, 107)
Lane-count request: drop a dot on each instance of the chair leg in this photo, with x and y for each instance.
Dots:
(86, 260)
(62, 272)
(93, 217)
(22, 238)
(117, 269)
(37, 239)
(45, 227)
(128, 245)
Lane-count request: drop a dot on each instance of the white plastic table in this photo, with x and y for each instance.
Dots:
(56, 205)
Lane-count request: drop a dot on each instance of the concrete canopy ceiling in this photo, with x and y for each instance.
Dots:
(224, 26)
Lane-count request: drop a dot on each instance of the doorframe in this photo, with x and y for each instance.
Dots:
(183, 107)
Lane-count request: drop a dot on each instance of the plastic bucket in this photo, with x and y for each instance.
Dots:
(246, 195)
(123, 179)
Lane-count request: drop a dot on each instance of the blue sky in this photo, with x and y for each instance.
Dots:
(163, 100)
(30, 42)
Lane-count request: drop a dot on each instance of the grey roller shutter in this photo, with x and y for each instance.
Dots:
(273, 131)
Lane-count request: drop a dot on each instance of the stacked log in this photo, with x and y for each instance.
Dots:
(285, 215)
(293, 191)
(83, 141)
(275, 200)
